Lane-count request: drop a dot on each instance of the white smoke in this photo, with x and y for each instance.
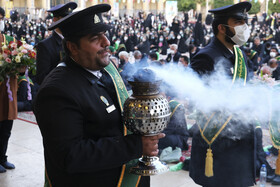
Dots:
(217, 93)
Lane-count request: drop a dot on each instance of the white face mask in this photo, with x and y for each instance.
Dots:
(272, 54)
(273, 69)
(242, 34)
(172, 52)
(2, 25)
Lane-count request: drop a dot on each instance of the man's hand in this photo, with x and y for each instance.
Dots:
(150, 144)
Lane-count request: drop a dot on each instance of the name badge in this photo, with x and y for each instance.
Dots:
(111, 108)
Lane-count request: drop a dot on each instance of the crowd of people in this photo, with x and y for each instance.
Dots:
(151, 33)
(133, 41)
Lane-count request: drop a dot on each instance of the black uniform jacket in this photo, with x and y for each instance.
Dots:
(234, 149)
(83, 140)
(49, 54)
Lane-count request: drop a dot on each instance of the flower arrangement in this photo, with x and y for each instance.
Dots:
(14, 56)
(264, 79)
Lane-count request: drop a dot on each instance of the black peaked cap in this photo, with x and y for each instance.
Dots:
(239, 10)
(83, 22)
(63, 9)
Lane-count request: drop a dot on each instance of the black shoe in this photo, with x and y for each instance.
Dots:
(2, 169)
(8, 165)
(270, 177)
(276, 180)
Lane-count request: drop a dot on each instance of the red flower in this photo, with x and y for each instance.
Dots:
(7, 51)
(8, 60)
(32, 54)
(19, 43)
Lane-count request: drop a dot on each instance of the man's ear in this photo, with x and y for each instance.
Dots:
(222, 28)
(72, 47)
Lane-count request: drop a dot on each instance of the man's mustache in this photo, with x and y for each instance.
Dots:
(106, 49)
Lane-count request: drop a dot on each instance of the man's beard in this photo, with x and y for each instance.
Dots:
(228, 36)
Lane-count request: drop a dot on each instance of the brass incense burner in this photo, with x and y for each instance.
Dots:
(147, 113)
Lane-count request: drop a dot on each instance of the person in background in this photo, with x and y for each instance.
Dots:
(174, 54)
(137, 56)
(273, 53)
(261, 155)
(253, 57)
(25, 93)
(79, 111)
(258, 47)
(112, 51)
(8, 106)
(49, 51)
(153, 58)
(275, 68)
(184, 61)
(144, 45)
(176, 132)
(193, 50)
(221, 154)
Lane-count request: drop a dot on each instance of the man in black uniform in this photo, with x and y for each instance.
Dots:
(78, 109)
(228, 142)
(49, 51)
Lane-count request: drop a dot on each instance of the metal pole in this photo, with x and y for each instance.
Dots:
(266, 6)
(206, 9)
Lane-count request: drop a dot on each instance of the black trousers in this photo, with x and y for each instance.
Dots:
(144, 182)
(5, 133)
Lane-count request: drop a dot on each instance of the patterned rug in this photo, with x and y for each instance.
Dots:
(27, 117)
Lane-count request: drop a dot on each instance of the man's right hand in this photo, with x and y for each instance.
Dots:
(150, 144)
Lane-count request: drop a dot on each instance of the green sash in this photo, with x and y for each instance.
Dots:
(212, 124)
(126, 179)
(173, 106)
(23, 78)
(278, 58)
(253, 53)
(240, 70)
(8, 39)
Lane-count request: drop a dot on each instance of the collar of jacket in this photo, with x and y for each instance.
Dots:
(222, 48)
(57, 38)
(82, 71)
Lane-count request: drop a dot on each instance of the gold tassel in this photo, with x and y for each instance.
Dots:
(209, 163)
(277, 170)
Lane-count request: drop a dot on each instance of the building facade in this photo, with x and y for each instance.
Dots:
(119, 7)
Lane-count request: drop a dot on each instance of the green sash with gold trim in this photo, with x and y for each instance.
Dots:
(253, 53)
(212, 124)
(23, 78)
(173, 106)
(126, 179)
